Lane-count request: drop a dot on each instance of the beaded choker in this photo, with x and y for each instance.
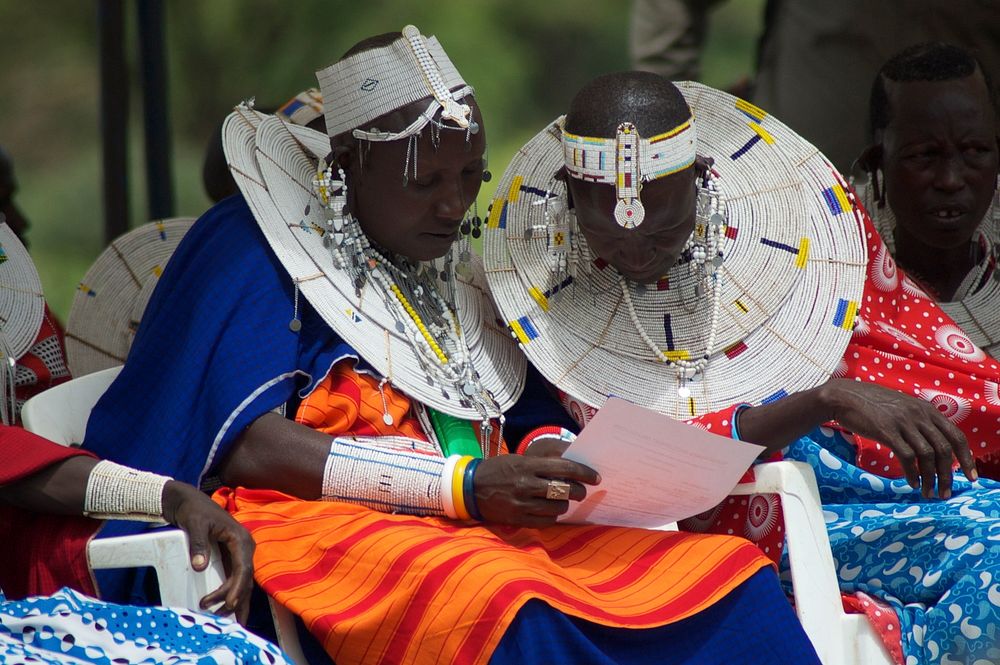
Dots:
(627, 161)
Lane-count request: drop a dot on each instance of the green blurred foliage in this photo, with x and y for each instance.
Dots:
(525, 58)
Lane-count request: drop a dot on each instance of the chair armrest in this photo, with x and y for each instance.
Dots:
(814, 576)
(166, 551)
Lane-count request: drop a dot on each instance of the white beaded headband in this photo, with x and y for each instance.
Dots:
(378, 81)
(627, 161)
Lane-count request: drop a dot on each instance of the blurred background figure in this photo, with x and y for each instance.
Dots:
(815, 59)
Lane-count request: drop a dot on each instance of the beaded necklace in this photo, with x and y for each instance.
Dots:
(420, 296)
(711, 216)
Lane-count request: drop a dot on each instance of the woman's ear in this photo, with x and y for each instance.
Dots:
(702, 164)
(870, 158)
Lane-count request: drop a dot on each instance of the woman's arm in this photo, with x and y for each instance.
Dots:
(924, 440)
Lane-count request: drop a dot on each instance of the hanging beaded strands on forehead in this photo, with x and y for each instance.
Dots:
(22, 308)
(770, 278)
(424, 328)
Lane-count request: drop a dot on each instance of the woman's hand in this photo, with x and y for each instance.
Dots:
(510, 489)
(205, 522)
(924, 440)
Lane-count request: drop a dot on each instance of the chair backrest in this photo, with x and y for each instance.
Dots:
(60, 413)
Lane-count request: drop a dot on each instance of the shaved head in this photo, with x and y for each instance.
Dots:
(650, 102)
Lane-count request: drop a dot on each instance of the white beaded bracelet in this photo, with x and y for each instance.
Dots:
(119, 492)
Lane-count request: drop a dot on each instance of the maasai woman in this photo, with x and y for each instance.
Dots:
(931, 185)
(741, 278)
(340, 298)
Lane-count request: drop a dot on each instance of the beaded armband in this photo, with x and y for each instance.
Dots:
(387, 474)
(119, 492)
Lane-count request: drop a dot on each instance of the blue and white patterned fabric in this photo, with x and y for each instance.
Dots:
(937, 563)
(68, 627)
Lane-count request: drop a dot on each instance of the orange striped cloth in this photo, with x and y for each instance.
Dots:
(349, 402)
(376, 587)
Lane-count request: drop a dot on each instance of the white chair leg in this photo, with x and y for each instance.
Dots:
(288, 636)
(833, 633)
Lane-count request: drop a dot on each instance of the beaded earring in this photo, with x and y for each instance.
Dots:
(472, 225)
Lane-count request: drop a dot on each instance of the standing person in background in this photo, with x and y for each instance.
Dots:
(816, 60)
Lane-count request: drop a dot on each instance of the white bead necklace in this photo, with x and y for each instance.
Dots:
(712, 215)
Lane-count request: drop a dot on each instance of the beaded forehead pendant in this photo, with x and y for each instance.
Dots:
(627, 161)
(451, 108)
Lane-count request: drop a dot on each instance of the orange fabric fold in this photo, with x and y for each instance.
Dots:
(376, 587)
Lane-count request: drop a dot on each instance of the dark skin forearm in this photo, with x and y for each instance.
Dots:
(59, 489)
(279, 454)
(925, 443)
(778, 424)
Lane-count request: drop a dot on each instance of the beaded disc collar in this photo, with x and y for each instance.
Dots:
(976, 308)
(274, 165)
(22, 307)
(112, 296)
(789, 260)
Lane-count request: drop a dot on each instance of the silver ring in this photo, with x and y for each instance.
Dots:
(557, 490)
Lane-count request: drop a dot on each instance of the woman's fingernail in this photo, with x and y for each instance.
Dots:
(198, 560)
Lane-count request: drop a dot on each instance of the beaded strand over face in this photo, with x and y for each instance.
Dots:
(711, 217)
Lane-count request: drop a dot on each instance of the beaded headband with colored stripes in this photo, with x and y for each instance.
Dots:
(370, 84)
(628, 160)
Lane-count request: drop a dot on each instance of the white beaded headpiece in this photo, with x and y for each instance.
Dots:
(370, 84)
(628, 160)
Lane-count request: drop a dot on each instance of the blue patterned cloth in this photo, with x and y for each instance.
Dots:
(937, 563)
(68, 627)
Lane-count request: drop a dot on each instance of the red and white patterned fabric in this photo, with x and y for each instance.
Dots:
(44, 364)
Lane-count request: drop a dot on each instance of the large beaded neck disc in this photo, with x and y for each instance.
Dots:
(446, 351)
(976, 307)
(112, 297)
(22, 305)
(770, 300)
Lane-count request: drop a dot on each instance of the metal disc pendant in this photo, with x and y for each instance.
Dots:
(717, 219)
(387, 419)
(718, 261)
(469, 389)
(684, 392)
(295, 325)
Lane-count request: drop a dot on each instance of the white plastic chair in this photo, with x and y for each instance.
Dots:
(839, 638)
(60, 414)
